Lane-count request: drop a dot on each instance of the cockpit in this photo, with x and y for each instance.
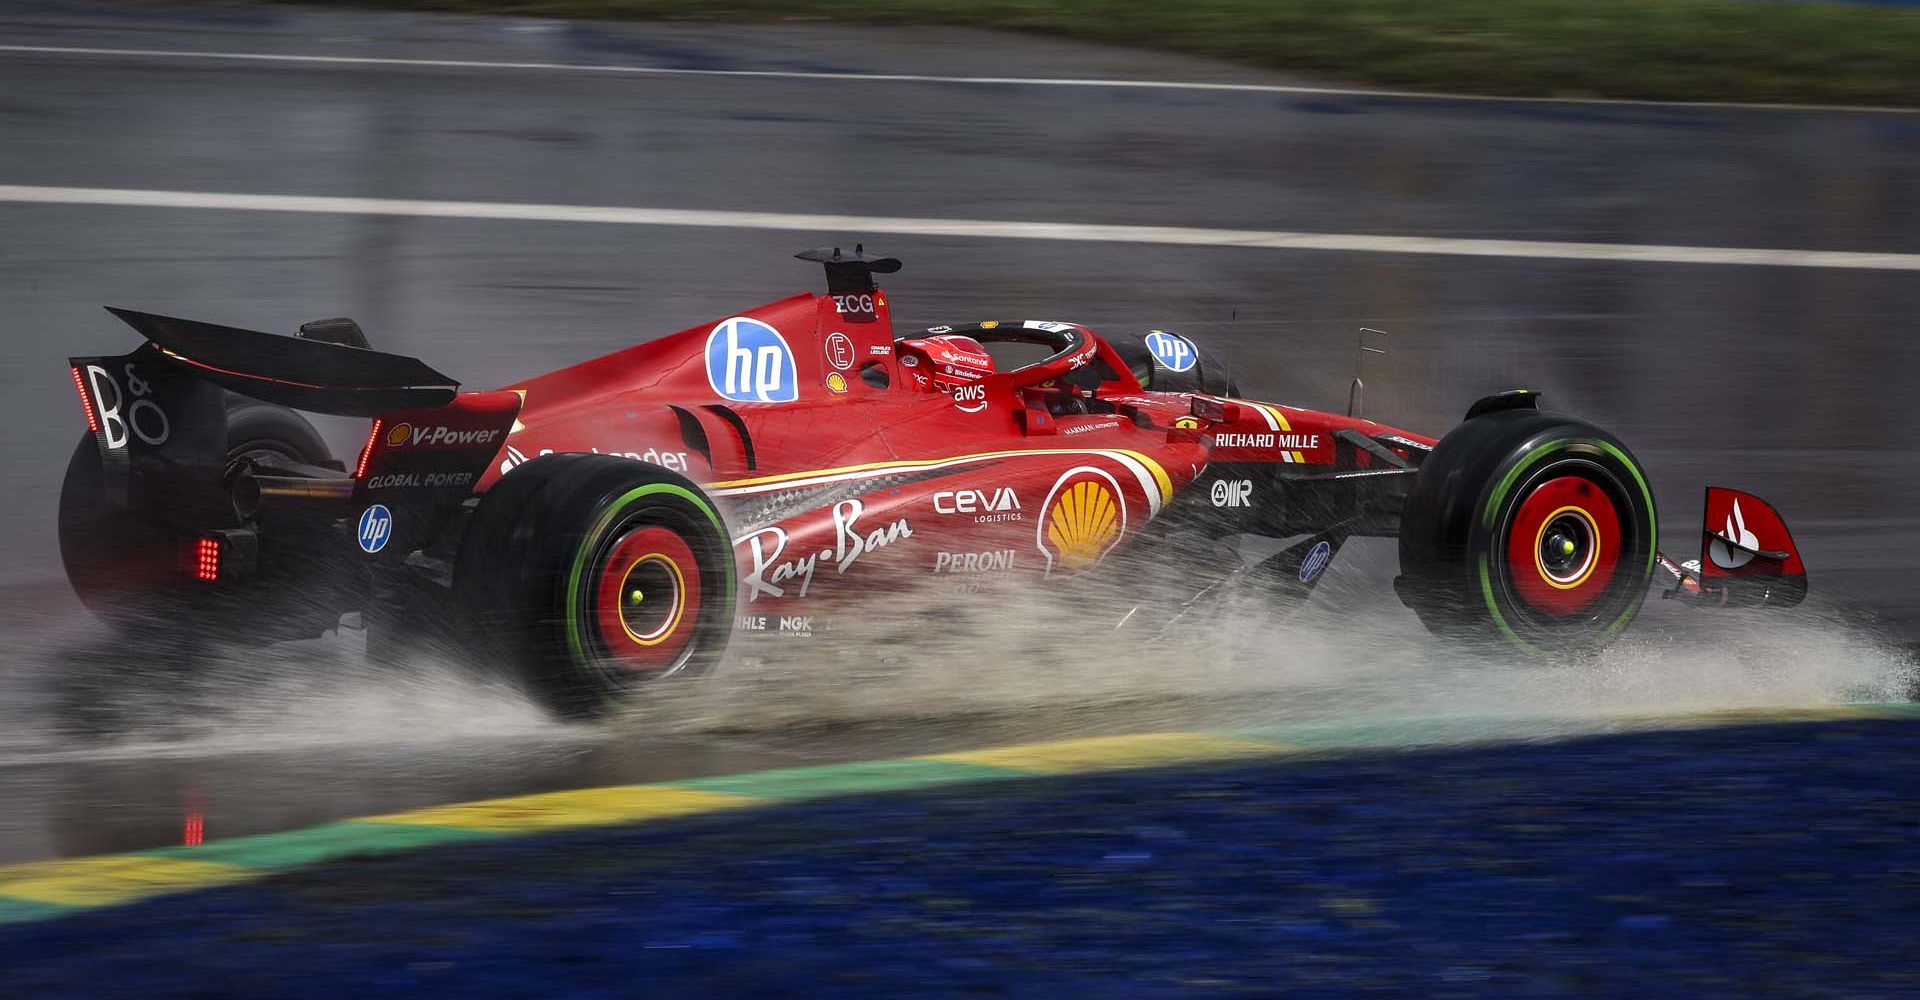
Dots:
(1060, 362)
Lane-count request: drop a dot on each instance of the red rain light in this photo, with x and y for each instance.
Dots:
(366, 454)
(86, 402)
(196, 830)
(207, 560)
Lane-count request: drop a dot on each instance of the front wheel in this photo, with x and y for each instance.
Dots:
(1531, 528)
(594, 574)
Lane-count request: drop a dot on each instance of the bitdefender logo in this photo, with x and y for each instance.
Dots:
(749, 362)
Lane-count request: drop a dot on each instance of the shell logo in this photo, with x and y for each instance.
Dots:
(399, 435)
(1086, 517)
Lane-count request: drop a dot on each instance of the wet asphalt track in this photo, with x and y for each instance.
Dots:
(1792, 382)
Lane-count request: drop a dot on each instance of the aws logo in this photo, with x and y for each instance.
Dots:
(749, 362)
(1086, 517)
(970, 398)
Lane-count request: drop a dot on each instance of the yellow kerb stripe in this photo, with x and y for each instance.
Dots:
(1102, 753)
(106, 881)
(584, 807)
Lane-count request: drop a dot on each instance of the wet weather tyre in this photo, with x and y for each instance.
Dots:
(1210, 372)
(264, 431)
(592, 575)
(125, 566)
(1528, 528)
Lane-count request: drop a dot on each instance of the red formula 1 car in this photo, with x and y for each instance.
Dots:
(623, 519)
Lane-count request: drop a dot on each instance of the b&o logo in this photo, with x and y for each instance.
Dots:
(749, 362)
(1175, 352)
(143, 417)
(376, 526)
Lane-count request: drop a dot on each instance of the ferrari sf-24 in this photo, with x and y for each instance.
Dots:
(621, 521)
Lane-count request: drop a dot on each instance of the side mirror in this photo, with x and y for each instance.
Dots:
(1218, 411)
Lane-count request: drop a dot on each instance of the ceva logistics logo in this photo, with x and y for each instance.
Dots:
(749, 362)
(1177, 353)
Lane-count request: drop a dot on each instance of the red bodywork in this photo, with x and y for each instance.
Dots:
(862, 482)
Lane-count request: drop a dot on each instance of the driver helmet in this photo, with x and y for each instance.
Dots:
(949, 361)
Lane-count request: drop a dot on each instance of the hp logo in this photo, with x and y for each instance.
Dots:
(1315, 562)
(749, 362)
(1173, 351)
(376, 526)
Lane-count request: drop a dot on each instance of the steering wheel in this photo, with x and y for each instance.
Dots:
(1073, 348)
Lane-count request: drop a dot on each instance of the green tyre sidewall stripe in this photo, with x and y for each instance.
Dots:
(1490, 513)
(576, 640)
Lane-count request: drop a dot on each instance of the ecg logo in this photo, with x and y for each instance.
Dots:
(749, 362)
(1177, 353)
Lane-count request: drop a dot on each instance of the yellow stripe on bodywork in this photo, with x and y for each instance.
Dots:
(105, 881)
(1279, 419)
(1101, 753)
(1160, 477)
(583, 807)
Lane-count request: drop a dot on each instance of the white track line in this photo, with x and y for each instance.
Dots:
(993, 81)
(872, 225)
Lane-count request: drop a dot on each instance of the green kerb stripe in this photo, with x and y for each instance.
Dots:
(276, 851)
(20, 911)
(846, 779)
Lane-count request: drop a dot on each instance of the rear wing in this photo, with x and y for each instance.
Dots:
(160, 418)
(306, 374)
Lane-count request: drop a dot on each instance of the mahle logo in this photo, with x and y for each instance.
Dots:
(749, 362)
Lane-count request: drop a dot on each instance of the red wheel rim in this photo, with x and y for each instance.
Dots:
(648, 599)
(1563, 546)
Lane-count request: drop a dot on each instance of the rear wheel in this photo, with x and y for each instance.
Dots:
(127, 567)
(596, 574)
(1531, 528)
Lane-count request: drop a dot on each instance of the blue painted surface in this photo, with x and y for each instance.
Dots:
(1767, 861)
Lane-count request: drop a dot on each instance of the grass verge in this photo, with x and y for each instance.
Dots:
(1697, 50)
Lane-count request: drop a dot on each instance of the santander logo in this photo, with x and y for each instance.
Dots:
(1737, 532)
